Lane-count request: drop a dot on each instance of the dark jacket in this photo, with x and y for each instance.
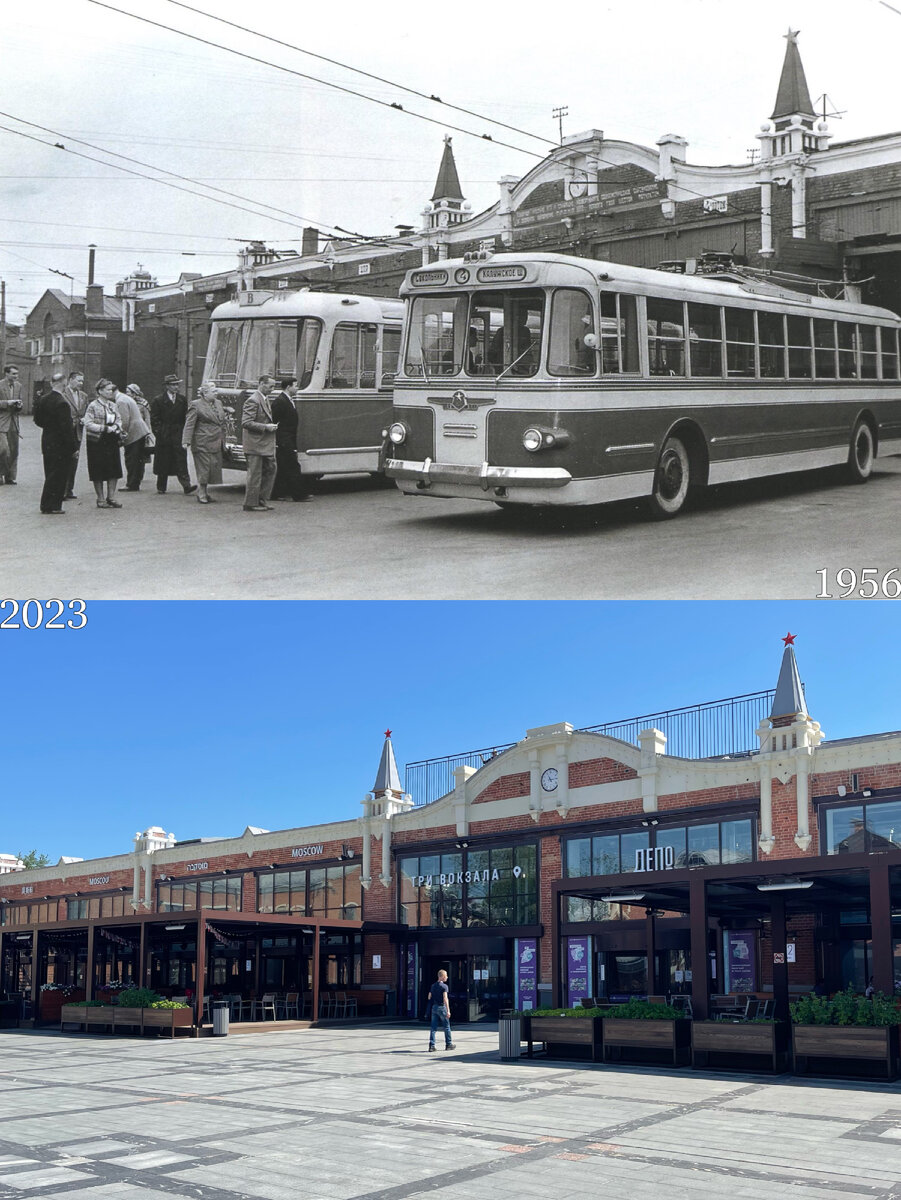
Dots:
(167, 420)
(53, 416)
(284, 414)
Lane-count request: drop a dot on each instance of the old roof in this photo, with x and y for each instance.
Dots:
(447, 186)
(793, 95)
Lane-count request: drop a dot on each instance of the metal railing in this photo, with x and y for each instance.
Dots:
(714, 729)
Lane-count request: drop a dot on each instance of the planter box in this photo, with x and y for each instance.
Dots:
(556, 1032)
(870, 1044)
(127, 1016)
(168, 1018)
(672, 1037)
(733, 1039)
(79, 1014)
(50, 1004)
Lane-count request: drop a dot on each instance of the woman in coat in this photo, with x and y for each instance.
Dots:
(104, 434)
(204, 435)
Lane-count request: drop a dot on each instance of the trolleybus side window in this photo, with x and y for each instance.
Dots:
(824, 348)
(390, 353)
(306, 352)
(352, 360)
(571, 319)
(739, 342)
(868, 357)
(619, 334)
(889, 343)
(799, 347)
(847, 350)
(705, 339)
(515, 321)
(771, 332)
(436, 340)
(666, 336)
(223, 353)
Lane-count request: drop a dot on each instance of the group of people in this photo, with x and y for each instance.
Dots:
(163, 429)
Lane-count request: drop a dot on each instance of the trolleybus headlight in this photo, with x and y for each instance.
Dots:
(535, 438)
(397, 433)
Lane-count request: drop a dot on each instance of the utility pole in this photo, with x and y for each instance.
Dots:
(558, 114)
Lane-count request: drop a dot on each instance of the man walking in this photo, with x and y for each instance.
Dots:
(10, 407)
(439, 1010)
(77, 399)
(53, 416)
(259, 431)
(289, 481)
(167, 420)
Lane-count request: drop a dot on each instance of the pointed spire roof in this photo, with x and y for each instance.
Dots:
(789, 698)
(793, 96)
(387, 777)
(447, 186)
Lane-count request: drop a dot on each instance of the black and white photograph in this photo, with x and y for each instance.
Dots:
(514, 308)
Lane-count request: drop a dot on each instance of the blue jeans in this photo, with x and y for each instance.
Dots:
(440, 1020)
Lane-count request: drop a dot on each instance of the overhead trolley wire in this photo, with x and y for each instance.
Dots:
(359, 71)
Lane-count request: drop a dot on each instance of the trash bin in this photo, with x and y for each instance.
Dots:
(220, 1018)
(390, 1002)
(509, 1030)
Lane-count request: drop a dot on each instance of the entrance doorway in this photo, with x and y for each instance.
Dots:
(479, 985)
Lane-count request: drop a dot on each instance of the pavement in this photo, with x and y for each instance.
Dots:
(366, 1113)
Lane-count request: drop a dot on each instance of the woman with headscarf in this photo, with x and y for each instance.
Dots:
(135, 430)
(144, 407)
(104, 435)
(204, 435)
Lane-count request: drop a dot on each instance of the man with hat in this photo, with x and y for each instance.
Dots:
(167, 420)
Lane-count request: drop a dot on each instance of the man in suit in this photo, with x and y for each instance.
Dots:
(167, 420)
(10, 407)
(259, 430)
(289, 481)
(77, 399)
(53, 415)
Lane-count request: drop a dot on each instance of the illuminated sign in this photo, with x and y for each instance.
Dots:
(660, 858)
(198, 866)
(27, 890)
(96, 880)
(428, 278)
(501, 274)
(306, 851)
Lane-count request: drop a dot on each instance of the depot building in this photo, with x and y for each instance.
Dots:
(572, 864)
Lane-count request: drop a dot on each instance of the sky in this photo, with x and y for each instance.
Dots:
(206, 718)
(706, 69)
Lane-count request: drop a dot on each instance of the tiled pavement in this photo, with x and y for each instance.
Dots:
(368, 1114)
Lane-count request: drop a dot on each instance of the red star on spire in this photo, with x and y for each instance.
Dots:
(387, 733)
(789, 639)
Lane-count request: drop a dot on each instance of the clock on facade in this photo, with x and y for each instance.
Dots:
(549, 779)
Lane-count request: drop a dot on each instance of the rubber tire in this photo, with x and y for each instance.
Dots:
(672, 480)
(862, 445)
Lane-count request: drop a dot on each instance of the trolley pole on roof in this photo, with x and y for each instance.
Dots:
(558, 114)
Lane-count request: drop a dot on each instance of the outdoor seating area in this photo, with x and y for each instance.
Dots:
(288, 1006)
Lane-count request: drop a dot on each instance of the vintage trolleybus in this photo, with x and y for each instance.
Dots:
(342, 349)
(541, 379)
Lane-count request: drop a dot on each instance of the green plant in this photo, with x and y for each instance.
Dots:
(165, 1004)
(846, 1008)
(560, 1012)
(643, 1010)
(89, 1003)
(137, 998)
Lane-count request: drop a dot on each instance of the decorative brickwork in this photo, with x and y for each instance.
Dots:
(599, 770)
(505, 788)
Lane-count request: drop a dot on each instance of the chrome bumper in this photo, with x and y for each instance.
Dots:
(484, 476)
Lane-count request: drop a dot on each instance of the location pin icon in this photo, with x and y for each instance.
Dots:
(517, 871)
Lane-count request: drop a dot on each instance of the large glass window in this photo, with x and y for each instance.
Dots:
(308, 345)
(868, 355)
(222, 356)
(847, 350)
(705, 339)
(619, 334)
(845, 831)
(508, 327)
(889, 342)
(771, 334)
(329, 891)
(799, 347)
(739, 342)
(495, 886)
(390, 353)
(666, 336)
(619, 852)
(862, 828)
(437, 336)
(353, 357)
(824, 348)
(571, 319)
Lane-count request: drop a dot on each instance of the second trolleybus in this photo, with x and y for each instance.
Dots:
(544, 379)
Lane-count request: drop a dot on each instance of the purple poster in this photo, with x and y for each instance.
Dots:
(741, 960)
(578, 963)
(526, 974)
(412, 973)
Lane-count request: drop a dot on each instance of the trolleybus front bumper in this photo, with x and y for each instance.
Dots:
(484, 476)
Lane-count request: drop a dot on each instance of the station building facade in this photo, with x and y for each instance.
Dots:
(571, 865)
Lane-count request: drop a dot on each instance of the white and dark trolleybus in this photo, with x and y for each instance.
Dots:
(543, 379)
(342, 349)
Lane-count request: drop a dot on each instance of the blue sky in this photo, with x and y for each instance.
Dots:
(205, 718)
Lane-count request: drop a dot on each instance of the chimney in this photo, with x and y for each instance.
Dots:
(310, 241)
(94, 300)
(92, 250)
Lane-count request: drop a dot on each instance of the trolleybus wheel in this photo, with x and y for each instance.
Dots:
(672, 480)
(861, 453)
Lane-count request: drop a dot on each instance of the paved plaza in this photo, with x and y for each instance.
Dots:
(368, 1114)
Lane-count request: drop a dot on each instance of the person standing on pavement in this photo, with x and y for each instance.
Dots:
(259, 430)
(53, 417)
(167, 420)
(144, 405)
(204, 435)
(10, 407)
(77, 399)
(289, 481)
(135, 432)
(104, 434)
(439, 1011)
